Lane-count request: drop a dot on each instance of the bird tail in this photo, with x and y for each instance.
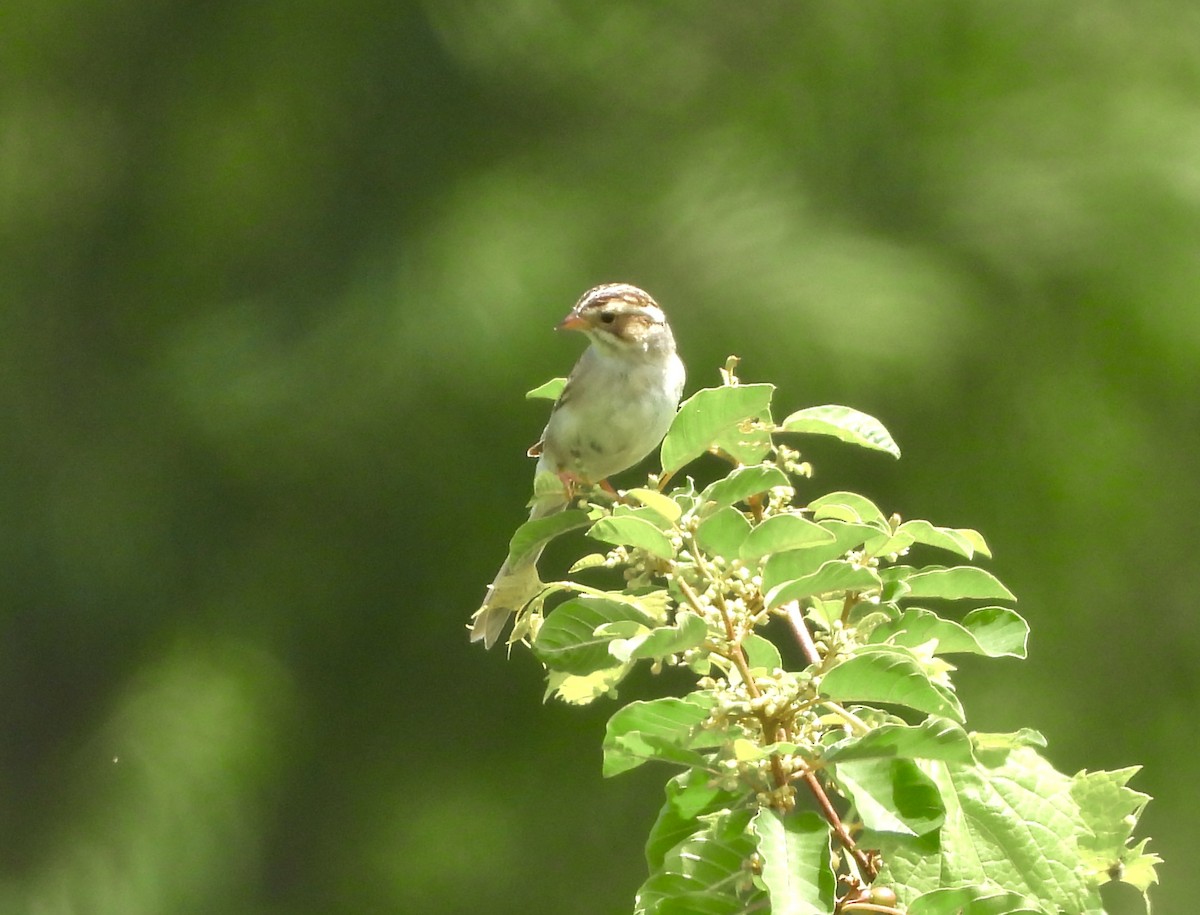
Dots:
(514, 586)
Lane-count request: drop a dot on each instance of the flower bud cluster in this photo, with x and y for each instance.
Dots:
(788, 460)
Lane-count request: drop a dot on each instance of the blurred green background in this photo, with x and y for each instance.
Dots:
(276, 275)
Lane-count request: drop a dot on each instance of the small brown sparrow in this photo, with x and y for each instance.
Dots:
(616, 407)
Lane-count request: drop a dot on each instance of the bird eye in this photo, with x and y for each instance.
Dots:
(608, 317)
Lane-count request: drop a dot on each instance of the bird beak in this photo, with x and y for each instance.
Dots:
(572, 322)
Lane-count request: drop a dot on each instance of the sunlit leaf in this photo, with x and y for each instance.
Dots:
(567, 640)
(783, 532)
(933, 738)
(991, 631)
(634, 532)
(844, 423)
(893, 676)
(797, 868)
(535, 534)
(958, 582)
(709, 417)
(723, 532)
(835, 575)
(551, 390)
(891, 795)
(742, 483)
(846, 506)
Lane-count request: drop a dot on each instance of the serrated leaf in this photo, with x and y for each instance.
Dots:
(551, 390)
(1013, 824)
(743, 482)
(990, 631)
(1110, 810)
(723, 532)
(783, 532)
(893, 676)
(933, 738)
(667, 508)
(797, 868)
(835, 575)
(709, 417)
(568, 642)
(536, 533)
(958, 582)
(665, 729)
(843, 423)
(891, 795)
(635, 532)
(846, 506)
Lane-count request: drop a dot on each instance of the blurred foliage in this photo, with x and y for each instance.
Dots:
(274, 277)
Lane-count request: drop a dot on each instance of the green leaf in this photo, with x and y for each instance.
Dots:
(712, 417)
(973, 900)
(958, 582)
(665, 729)
(844, 423)
(991, 631)
(846, 506)
(723, 532)
(835, 575)
(551, 390)
(1110, 810)
(742, 483)
(690, 795)
(794, 564)
(783, 532)
(761, 653)
(568, 641)
(535, 534)
(629, 530)
(581, 690)
(700, 875)
(797, 868)
(891, 795)
(963, 541)
(689, 631)
(894, 676)
(666, 507)
(1014, 825)
(933, 738)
